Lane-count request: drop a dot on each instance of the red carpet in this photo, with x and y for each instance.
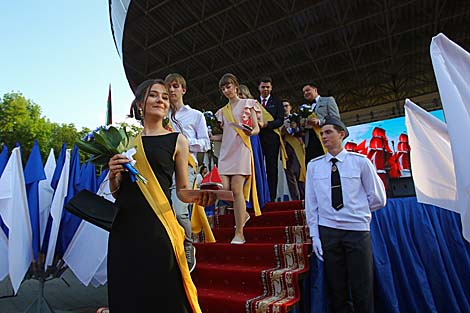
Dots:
(261, 275)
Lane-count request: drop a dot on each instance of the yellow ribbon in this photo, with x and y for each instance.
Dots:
(267, 117)
(299, 150)
(191, 161)
(316, 129)
(199, 221)
(161, 206)
(250, 184)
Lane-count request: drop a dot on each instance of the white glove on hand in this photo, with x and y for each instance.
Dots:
(317, 248)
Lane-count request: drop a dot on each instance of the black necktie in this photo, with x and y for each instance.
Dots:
(336, 190)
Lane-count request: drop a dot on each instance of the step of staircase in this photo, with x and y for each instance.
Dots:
(249, 254)
(220, 301)
(275, 234)
(230, 277)
(286, 206)
(275, 218)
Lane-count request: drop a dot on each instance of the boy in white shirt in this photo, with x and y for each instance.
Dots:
(192, 124)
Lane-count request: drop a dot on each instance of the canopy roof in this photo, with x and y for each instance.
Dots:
(369, 54)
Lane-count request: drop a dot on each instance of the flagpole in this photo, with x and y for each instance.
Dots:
(109, 108)
(40, 305)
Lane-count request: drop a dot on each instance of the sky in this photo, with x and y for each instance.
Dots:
(61, 55)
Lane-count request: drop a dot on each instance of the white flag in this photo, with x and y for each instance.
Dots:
(88, 249)
(101, 275)
(452, 69)
(431, 158)
(57, 207)
(15, 214)
(3, 255)
(45, 194)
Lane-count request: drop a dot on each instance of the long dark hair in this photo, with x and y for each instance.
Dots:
(141, 94)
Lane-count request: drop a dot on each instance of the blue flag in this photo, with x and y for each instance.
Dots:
(3, 159)
(69, 222)
(88, 179)
(54, 182)
(102, 178)
(33, 174)
(3, 163)
(58, 168)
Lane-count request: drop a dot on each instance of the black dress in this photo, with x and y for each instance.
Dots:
(143, 274)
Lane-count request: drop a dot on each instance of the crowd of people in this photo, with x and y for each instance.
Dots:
(260, 139)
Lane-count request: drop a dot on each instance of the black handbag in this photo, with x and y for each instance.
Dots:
(93, 209)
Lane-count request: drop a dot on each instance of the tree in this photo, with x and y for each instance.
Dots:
(21, 122)
(60, 134)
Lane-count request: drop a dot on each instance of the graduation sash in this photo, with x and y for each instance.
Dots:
(199, 220)
(299, 150)
(191, 161)
(316, 129)
(161, 206)
(250, 184)
(267, 117)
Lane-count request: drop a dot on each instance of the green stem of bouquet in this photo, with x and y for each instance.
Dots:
(141, 178)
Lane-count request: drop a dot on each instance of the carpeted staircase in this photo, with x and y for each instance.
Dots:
(263, 274)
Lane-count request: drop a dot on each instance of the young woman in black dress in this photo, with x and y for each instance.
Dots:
(147, 269)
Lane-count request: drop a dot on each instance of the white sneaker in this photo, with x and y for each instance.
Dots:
(190, 252)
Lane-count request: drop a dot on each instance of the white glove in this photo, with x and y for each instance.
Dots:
(317, 248)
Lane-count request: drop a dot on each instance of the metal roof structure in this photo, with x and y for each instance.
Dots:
(369, 54)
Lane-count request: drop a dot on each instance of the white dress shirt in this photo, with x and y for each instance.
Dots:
(194, 127)
(315, 103)
(363, 192)
(267, 99)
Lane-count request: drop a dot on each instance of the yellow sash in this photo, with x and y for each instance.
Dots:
(250, 184)
(316, 129)
(299, 150)
(199, 220)
(191, 161)
(267, 117)
(158, 201)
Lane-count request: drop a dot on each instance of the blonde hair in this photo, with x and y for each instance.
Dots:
(175, 77)
(228, 78)
(245, 91)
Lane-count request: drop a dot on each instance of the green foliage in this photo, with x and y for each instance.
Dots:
(132, 130)
(21, 122)
(60, 134)
(105, 142)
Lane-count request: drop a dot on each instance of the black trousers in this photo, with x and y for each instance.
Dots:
(348, 270)
(296, 188)
(271, 144)
(314, 148)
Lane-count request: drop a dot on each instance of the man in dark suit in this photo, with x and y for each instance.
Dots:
(323, 107)
(270, 140)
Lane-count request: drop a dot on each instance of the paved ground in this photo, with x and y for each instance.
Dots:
(75, 298)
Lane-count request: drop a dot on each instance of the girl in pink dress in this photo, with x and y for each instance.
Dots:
(235, 156)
